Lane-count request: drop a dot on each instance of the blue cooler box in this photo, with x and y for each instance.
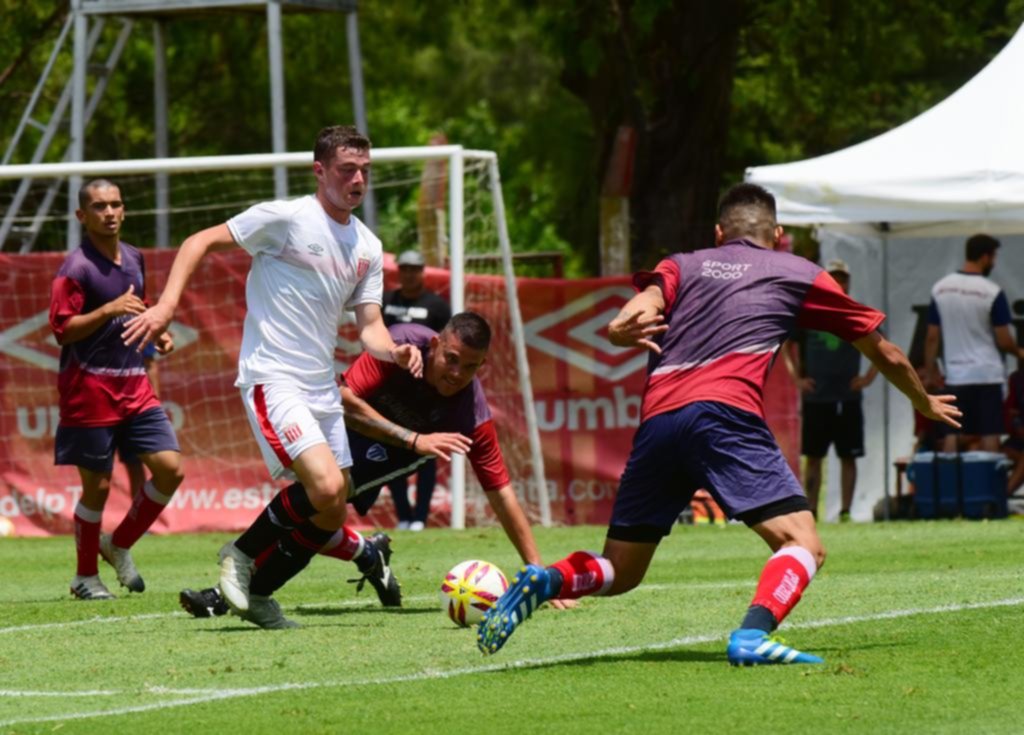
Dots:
(972, 484)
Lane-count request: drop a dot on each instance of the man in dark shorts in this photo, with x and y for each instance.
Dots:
(395, 422)
(826, 369)
(106, 400)
(714, 320)
(969, 316)
(414, 303)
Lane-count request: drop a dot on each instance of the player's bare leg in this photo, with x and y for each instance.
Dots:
(321, 488)
(165, 468)
(798, 554)
(327, 492)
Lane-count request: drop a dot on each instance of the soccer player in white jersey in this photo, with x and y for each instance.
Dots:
(311, 259)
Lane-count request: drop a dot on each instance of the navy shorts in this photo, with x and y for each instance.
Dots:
(836, 422)
(982, 405)
(729, 452)
(92, 447)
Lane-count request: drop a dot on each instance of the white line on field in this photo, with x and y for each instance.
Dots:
(89, 621)
(201, 696)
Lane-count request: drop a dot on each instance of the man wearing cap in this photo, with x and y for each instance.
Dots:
(826, 369)
(414, 303)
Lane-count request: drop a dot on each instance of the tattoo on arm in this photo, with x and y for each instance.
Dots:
(381, 430)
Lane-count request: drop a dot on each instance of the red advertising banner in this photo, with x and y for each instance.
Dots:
(586, 394)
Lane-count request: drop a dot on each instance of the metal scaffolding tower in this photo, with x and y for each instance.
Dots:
(85, 24)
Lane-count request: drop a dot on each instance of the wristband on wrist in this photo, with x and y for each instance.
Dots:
(412, 444)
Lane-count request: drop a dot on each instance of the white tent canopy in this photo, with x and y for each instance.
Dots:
(956, 169)
(897, 208)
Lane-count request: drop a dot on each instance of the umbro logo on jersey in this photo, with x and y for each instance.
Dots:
(377, 453)
(315, 248)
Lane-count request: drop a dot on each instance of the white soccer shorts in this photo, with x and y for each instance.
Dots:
(287, 420)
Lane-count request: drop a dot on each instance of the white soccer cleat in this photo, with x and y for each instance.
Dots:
(121, 560)
(90, 588)
(236, 570)
(266, 613)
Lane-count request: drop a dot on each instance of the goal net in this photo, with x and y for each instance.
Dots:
(443, 200)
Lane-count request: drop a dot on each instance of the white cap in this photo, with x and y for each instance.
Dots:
(838, 266)
(411, 258)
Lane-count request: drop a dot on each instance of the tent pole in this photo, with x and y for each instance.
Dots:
(886, 385)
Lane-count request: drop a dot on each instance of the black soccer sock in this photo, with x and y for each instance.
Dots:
(289, 509)
(289, 557)
(555, 582)
(760, 618)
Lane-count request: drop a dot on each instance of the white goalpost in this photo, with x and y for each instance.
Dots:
(441, 199)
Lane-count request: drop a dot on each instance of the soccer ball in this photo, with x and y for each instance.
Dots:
(470, 589)
(6, 526)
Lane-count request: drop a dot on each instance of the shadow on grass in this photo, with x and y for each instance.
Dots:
(336, 611)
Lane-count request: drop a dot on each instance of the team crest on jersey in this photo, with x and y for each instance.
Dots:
(292, 432)
(362, 267)
(377, 453)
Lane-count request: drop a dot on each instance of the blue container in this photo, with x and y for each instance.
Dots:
(972, 484)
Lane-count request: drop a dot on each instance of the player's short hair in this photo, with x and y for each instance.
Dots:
(978, 246)
(747, 210)
(330, 139)
(471, 329)
(84, 197)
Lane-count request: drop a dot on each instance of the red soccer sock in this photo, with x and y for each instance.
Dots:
(146, 507)
(584, 573)
(346, 544)
(784, 579)
(87, 540)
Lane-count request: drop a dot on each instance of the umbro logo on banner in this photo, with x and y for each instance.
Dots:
(576, 334)
(31, 341)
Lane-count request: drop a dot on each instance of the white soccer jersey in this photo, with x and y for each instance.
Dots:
(967, 307)
(306, 269)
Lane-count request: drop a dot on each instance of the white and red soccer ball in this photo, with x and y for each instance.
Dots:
(470, 589)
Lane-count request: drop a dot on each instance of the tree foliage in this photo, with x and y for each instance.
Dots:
(711, 88)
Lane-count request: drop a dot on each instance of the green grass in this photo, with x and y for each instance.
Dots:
(907, 616)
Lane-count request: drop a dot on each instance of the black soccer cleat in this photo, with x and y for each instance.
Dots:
(374, 564)
(206, 603)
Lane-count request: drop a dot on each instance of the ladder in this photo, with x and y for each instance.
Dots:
(27, 228)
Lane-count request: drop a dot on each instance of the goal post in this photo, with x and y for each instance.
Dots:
(206, 190)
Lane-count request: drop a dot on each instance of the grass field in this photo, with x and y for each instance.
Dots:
(918, 623)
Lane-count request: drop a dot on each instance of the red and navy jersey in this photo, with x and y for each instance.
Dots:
(101, 382)
(728, 310)
(412, 403)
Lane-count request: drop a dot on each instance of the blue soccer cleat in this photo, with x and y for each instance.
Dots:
(752, 647)
(529, 591)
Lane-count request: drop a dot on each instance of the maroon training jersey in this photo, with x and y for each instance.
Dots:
(728, 310)
(411, 403)
(102, 382)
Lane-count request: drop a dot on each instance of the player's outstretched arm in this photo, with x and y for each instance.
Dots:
(640, 321)
(894, 365)
(363, 418)
(150, 324)
(377, 341)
